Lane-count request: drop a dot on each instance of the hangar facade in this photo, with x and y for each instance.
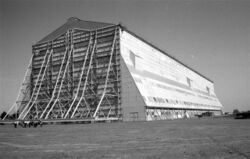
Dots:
(95, 70)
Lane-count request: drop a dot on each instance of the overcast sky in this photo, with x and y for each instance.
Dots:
(213, 37)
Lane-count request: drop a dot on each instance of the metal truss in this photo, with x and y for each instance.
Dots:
(86, 79)
(39, 82)
(23, 92)
(59, 83)
(75, 76)
(80, 81)
(56, 92)
(37, 86)
(104, 93)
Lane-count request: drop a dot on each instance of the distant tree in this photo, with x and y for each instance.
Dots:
(3, 114)
(235, 111)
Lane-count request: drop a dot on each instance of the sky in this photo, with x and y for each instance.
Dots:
(212, 37)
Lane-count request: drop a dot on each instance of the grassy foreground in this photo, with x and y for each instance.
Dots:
(204, 138)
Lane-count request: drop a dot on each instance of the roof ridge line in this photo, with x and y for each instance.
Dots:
(76, 18)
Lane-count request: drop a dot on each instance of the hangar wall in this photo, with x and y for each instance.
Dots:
(132, 104)
(162, 81)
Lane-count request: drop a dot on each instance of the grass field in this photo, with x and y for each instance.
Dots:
(204, 138)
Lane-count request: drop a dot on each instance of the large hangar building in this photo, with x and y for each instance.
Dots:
(100, 71)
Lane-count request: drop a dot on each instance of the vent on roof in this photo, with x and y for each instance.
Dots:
(73, 19)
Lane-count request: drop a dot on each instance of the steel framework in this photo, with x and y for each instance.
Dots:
(75, 76)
